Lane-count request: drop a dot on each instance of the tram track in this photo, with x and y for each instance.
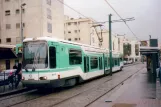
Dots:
(33, 96)
(16, 95)
(69, 98)
(22, 97)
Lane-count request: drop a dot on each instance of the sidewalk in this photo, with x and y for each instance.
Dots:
(140, 91)
(6, 89)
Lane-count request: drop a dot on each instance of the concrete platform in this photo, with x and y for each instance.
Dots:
(142, 90)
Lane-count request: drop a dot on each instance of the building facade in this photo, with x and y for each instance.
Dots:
(39, 18)
(80, 30)
(134, 53)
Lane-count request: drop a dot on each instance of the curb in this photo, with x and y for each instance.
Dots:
(131, 64)
(13, 92)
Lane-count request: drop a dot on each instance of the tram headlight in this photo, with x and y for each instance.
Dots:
(43, 78)
(58, 76)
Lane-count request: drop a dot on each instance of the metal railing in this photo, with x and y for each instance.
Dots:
(8, 82)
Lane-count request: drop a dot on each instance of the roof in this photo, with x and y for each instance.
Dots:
(7, 46)
(149, 50)
(7, 53)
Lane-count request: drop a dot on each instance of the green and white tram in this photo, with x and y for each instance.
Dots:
(49, 62)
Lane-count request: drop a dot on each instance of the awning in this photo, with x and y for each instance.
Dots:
(148, 50)
(7, 53)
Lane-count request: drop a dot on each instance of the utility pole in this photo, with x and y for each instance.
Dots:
(22, 5)
(110, 44)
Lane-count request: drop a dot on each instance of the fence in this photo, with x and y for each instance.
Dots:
(8, 82)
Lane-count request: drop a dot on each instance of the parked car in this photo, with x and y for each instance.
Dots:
(129, 62)
(7, 77)
(125, 62)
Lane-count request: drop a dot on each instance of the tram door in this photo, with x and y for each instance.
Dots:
(86, 64)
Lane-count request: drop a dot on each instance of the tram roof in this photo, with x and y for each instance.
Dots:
(68, 42)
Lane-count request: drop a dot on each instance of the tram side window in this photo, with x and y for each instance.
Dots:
(109, 62)
(100, 63)
(52, 53)
(115, 61)
(120, 59)
(105, 61)
(75, 57)
(94, 62)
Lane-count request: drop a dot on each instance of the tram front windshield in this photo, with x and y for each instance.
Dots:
(35, 55)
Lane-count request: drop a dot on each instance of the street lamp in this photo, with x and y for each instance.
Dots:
(22, 5)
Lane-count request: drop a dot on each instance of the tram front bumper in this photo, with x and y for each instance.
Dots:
(43, 83)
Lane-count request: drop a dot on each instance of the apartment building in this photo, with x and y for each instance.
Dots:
(81, 30)
(39, 18)
(86, 31)
(135, 49)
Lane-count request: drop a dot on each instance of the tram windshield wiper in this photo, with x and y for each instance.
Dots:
(35, 55)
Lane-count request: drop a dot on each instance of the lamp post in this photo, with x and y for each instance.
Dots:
(22, 5)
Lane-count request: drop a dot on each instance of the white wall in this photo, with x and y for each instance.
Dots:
(35, 19)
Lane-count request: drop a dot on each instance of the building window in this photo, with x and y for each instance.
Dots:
(8, 40)
(75, 23)
(7, 0)
(94, 62)
(17, 11)
(17, 25)
(93, 40)
(69, 31)
(7, 12)
(78, 30)
(0, 41)
(75, 31)
(23, 24)
(79, 39)
(48, 2)
(76, 39)
(23, 10)
(8, 26)
(75, 57)
(49, 14)
(69, 39)
(49, 26)
(69, 23)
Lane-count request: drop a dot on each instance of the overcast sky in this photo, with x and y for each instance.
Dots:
(147, 15)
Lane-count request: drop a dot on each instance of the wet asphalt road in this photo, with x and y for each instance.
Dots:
(81, 95)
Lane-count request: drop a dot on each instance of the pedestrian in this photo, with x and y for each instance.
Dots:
(12, 78)
(18, 74)
(160, 74)
(15, 67)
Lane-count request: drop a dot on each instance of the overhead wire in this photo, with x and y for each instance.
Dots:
(122, 19)
(72, 8)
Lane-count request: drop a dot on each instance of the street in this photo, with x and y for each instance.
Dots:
(82, 95)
